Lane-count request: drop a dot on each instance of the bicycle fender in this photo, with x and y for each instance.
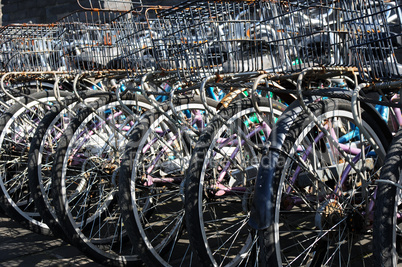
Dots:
(228, 98)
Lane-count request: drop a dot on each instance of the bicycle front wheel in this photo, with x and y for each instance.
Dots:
(17, 127)
(220, 182)
(388, 221)
(42, 151)
(85, 178)
(152, 180)
(323, 210)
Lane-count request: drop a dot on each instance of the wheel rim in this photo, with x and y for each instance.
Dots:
(90, 189)
(224, 216)
(160, 221)
(20, 127)
(314, 214)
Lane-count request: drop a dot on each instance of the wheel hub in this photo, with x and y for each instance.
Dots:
(329, 215)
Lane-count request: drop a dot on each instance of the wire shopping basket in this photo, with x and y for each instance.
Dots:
(89, 41)
(109, 5)
(375, 30)
(201, 38)
(134, 40)
(31, 48)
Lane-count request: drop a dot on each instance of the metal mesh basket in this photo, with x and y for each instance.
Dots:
(31, 48)
(375, 31)
(200, 38)
(89, 41)
(134, 40)
(117, 5)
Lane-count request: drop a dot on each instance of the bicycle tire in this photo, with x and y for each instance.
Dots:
(96, 229)
(217, 213)
(14, 194)
(386, 232)
(309, 204)
(154, 211)
(21, 90)
(42, 149)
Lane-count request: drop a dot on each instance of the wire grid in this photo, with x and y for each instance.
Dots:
(373, 43)
(134, 41)
(116, 5)
(200, 38)
(89, 41)
(31, 48)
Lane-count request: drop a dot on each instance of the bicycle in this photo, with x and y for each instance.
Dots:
(315, 193)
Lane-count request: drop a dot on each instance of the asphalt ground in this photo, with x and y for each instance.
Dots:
(21, 247)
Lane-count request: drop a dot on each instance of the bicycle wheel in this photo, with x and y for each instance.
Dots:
(21, 90)
(152, 177)
(387, 233)
(17, 126)
(323, 208)
(85, 179)
(41, 154)
(219, 184)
